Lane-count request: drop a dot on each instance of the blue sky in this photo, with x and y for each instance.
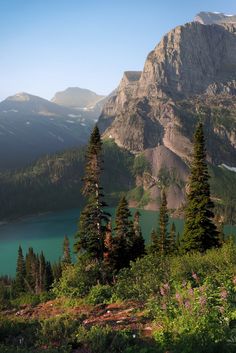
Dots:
(48, 45)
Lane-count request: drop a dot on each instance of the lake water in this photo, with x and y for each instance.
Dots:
(46, 232)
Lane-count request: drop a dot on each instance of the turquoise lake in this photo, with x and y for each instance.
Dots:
(46, 232)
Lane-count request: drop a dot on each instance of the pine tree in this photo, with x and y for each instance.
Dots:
(163, 226)
(49, 276)
(30, 265)
(20, 272)
(200, 233)
(93, 218)
(124, 235)
(42, 273)
(66, 258)
(173, 245)
(154, 246)
(138, 246)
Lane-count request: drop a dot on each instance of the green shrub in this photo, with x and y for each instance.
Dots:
(106, 340)
(76, 280)
(99, 294)
(142, 279)
(58, 331)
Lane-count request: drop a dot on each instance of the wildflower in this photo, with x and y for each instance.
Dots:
(187, 304)
(224, 294)
(163, 305)
(221, 309)
(178, 297)
(162, 291)
(202, 301)
(234, 280)
(195, 277)
(191, 292)
(166, 286)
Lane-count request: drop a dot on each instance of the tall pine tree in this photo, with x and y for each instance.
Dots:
(200, 233)
(93, 218)
(163, 226)
(20, 272)
(66, 258)
(124, 235)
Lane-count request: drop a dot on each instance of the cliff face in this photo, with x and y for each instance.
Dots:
(193, 66)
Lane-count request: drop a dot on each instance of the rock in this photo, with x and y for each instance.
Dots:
(154, 112)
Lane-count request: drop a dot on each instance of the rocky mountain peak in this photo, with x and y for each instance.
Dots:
(208, 18)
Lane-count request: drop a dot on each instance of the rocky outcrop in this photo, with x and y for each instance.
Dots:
(192, 68)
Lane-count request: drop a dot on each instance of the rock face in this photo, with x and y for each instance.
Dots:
(192, 68)
(208, 18)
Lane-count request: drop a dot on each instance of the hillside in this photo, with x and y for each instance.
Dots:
(31, 127)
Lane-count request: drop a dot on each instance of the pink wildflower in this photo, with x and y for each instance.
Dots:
(224, 294)
(195, 277)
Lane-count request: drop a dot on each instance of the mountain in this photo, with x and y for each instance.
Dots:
(208, 18)
(153, 112)
(81, 99)
(31, 127)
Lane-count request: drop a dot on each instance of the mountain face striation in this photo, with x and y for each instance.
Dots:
(153, 112)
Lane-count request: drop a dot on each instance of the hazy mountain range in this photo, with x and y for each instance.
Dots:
(31, 126)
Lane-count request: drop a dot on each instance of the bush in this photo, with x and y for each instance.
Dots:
(219, 264)
(76, 280)
(99, 294)
(58, 331)
(142, 279)
(106, 340)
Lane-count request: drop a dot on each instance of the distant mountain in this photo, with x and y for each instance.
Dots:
(154, 112)
(208, 18)
(75, 97)
(31, 127)
(81, 99)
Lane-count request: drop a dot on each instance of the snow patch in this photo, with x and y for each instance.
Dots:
(232, 169)
(27, 122)
(70, 121)
(83, 124)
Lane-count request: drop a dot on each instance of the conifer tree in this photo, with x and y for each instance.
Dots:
(173, 245)
(124, 234)
(42, 273)
(200, 233)
(20, 272)
(49, 276)
(93, 218)
(154, 246)
(138, 246)
(30, 265)
(163, 226)
(66, 258)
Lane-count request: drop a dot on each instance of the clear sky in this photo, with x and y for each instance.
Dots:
(49, 45)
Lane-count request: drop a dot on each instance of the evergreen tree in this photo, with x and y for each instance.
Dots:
(49, 276)
(173, 245)
(31, 269)
(66, 258)
(124, 235)
(138, 246)
(200, 233)
(163, 226)
(154, 246)
(42, 273)
(20, 272)
(93, 219)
